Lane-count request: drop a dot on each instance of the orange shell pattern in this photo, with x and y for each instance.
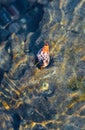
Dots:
(43, 55)
(45, 48)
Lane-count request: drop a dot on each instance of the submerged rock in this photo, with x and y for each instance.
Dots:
(4, 58)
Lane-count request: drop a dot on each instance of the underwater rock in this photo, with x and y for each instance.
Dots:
(38, 111)
(20, 60)
(5, 121)
(4, 34)
(70, 127)
(4, 58)
(39, 127)
(44, 2)
(52, 16)
(44, 107)
(47, 89)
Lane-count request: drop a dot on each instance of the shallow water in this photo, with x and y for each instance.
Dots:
(52, 98)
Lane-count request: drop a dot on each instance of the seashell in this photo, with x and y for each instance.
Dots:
(43, 56)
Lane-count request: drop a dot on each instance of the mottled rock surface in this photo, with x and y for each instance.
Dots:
(52, 98)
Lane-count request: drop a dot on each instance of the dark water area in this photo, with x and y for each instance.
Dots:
(42, 65)
(34, 17)
(16, 121)
(1, 75)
